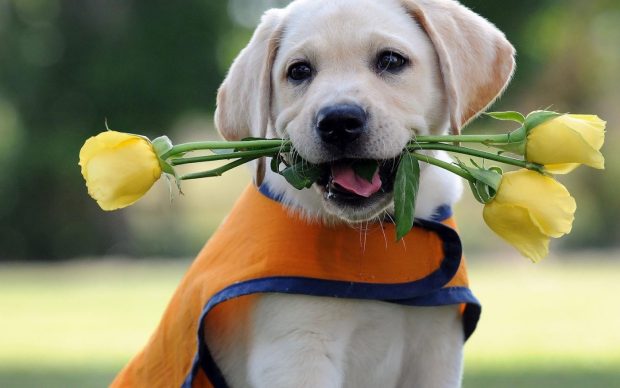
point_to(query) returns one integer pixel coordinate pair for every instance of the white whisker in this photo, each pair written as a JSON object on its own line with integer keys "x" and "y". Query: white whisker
{"x": 383, "y": 230}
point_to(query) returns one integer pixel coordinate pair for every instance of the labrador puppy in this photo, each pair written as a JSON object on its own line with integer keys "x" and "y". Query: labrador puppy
{"x": 347, "y": 80}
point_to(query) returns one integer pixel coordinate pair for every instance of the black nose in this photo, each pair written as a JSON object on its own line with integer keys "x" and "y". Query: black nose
{"x": 341, "y": 124}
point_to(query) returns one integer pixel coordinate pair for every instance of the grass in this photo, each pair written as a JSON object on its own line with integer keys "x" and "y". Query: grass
{"x": 555, "y": 324}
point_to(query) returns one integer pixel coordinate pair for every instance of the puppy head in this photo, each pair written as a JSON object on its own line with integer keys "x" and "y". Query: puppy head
{"x": 350, "y": 80}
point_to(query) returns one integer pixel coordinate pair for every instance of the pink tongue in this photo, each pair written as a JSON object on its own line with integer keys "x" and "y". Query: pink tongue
{"x": 344, "y": 176}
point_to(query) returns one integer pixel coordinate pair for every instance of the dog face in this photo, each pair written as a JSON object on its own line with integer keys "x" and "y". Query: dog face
{"x": 355, "y": 89}
{"x": 355, "y": 80}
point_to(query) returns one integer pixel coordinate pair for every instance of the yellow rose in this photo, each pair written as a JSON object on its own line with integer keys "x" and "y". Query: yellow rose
{"x": 528, "y": 210}
{"x": 119, "y": 168}
{"x": 563, "y": 143}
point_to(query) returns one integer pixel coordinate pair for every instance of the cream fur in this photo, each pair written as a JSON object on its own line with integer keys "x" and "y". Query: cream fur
{"x": 461, "y": 63}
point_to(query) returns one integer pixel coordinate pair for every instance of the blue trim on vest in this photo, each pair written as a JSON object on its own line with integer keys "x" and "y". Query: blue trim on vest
{"x": 448, "y": 296}
{"x": 442, "y": 213}
{"x": 267, "y": 192}
{"x": 427, "y": 291}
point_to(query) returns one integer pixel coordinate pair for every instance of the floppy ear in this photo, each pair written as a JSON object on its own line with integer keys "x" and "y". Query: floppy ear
{"x": 476, "y": 60}
{"x": 244, "y": 98}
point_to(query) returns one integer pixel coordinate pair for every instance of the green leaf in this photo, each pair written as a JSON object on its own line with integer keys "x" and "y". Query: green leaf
{"x": 275, "y": 163}
{"x": 161, "y": 145}
{"x": 406, "y": 187}
{"x": 483, "y": 192}
{"x": 170, "y": 172}
{"x": 488, "y": 177}
{"x": 365, "y": 169}
{"x": 293, "y": 178}
{"x": 487, "y": 181}
{"x": 167, "y": 167}
{"x": 538, "y": 117}
{"x": 474, "y": 190}
{"x": 507, "y": 116}
{"x": 301, "y": 175}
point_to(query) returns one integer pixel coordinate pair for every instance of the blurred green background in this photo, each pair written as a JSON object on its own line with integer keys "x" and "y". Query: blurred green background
{"x": 80, "y": 289}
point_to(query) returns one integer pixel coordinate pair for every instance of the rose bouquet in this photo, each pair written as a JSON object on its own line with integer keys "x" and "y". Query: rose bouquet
{"x": 526, "y": 207}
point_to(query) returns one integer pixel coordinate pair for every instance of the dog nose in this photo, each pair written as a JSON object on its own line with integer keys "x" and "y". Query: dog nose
{"x": 341, "y": 124}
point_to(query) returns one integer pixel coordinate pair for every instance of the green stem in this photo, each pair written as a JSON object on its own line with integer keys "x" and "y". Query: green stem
{"x": 453, "y": 168}
{"x": 254, "y": 149}
{"x": 477, "y": 153}
{"x": 231, "y": 155}
{"x": 484, "y": 139}
{"x": 217, "y": 171}
{"x": 222, "y": 145}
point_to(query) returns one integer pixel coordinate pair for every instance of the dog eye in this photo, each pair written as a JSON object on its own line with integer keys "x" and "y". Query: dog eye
{"x": 299, "y": 71}
{"x": 391, "y": 61}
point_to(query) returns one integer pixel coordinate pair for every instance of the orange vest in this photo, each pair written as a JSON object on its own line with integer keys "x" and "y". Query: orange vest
{"x": 263, "y": 247}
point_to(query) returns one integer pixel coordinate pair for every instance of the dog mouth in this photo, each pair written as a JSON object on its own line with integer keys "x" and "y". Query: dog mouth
{"x": 357, "y": 182}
